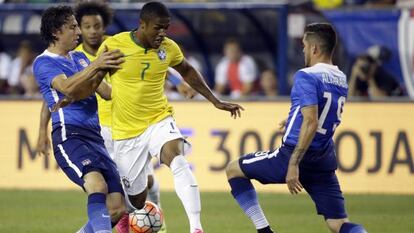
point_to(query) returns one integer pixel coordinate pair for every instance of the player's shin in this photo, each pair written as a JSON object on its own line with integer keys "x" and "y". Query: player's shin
{"x": 187, "y": 190}
{"x": 245, "y": 194}
{"x": 99, "y": 218}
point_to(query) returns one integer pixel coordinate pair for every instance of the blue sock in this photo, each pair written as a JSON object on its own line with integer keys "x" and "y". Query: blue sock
{"x": 87, "y": 228}
{"x": 245, "y": 194}
{"x": 99, "y": 218}
{"x": 349, "y": 227}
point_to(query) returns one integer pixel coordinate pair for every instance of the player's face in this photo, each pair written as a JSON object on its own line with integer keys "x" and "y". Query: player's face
{"x": 155, "y": 30}
{"x": 306, "y": 51}
{"x": 68, "y": 34}
{"x": 92, "y": 29}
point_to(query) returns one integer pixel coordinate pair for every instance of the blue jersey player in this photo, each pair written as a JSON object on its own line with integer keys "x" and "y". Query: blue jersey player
{"x": 78, "y": 146}
{"x": 306, "y": 159}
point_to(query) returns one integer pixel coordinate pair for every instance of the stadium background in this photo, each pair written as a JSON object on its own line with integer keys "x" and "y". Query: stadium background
{"x": 375, "y": 142}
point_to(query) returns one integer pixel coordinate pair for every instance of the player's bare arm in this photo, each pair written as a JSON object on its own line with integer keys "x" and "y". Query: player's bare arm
{"x": 84, "y": 83}
{"x": 307, "y": 132}
{"x": 104, "y": 90}
{"x": 194, "y": 79}
{"x": 43, "y": 141}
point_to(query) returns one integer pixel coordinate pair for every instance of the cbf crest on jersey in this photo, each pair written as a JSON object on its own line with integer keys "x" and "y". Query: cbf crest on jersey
{"x": 162, "y": 54}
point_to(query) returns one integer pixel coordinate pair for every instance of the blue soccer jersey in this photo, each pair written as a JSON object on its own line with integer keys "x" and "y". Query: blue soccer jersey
{"x": 82, "y": 113}
{"x": 322, "y": 85}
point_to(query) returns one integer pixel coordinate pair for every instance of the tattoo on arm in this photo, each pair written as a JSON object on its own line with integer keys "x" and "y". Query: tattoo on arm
{"x": 297, "y": 156}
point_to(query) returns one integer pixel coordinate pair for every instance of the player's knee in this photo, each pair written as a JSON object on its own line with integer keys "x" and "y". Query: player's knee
{"x": 96, "y": 187}
{"x": 116, "y": 205}
{"x": 334, "y": 225}
{"x": 170, "y": 150}
{"x": 95, "y": 184}
{"x": 233, "y": 170}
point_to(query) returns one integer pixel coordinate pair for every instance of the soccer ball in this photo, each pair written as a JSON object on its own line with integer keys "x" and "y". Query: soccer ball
{"x": 146, "y": 220}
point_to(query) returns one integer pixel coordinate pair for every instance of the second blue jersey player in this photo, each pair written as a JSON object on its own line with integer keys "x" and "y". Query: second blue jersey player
{"x": 79, "y": 150}
{"x": 306, "y": 159}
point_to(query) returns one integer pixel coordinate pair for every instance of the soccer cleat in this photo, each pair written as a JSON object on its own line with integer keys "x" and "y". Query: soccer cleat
{"x": 123, "y": 225}
{"x": 198, "y": 231}
{"x": 265, "y": 230}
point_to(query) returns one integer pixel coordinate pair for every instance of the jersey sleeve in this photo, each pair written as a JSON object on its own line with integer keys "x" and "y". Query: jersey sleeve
{"x": 305, "y": 88}
{"x": 45, "y": 71}
{"x": 176, "y": 55}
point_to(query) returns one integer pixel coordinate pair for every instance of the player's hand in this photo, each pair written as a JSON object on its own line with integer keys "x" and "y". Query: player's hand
{"x": 110, "y": 60}
{"x": 61, "y": 103}
{"x": 292, "y": 179}
{"x": 43, "y": 144}
{"x": 234, "y": 109}
{"x": 282, "y": 125}
{"x": 185, "y": 90}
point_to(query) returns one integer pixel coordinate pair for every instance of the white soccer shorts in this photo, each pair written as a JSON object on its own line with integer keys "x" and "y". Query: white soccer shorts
{"x": 133, "y": 156}
{"x": 106, "y": 133}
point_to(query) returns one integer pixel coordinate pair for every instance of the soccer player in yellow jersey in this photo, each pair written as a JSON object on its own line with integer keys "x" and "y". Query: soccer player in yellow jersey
{"x": 93, "y": 18}
{"x": 142, "y": 122}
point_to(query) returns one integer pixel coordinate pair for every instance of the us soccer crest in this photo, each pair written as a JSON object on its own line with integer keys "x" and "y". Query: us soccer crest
{"x": 83, "y": 62}
{"x": 162, "y": 54}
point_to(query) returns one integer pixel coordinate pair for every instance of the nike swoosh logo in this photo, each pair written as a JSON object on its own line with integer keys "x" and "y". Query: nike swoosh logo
{"x": 171, "y": 131}
{"x": 105, "y": 216}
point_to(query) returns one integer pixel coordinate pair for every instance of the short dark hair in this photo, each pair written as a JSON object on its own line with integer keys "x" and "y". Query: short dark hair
{"x": 53, "y": 18}
{"x": 324, "y": 34}
{"x": 153, "y": 9}
{"x": 94, "y": 8}
{"x": 232, "y": 40}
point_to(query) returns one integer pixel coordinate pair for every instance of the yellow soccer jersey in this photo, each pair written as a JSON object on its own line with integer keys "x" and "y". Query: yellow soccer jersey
{"x": 138, "y": 98}
{"x": 104, "y": 106}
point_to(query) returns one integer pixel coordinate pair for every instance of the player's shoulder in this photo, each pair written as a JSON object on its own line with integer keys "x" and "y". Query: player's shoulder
{"x": 46, "y": 56}
{"x": 168, "y": 42}
{"x": 79, "y": 47}
{"x": 119, "y": 37}
{"x": 322, "y": 68}
{"x": 76, "y": 53}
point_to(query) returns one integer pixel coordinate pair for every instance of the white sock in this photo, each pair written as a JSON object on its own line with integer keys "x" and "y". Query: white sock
{"x": 187, "y": 190}
{"x": 154, "y": 193}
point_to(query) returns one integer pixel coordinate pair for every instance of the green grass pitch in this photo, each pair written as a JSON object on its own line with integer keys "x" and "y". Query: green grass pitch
{"x": 29, "y": 211}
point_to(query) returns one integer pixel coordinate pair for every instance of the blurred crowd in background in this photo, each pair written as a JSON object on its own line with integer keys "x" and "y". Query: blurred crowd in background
{"x": 237, "y": 66}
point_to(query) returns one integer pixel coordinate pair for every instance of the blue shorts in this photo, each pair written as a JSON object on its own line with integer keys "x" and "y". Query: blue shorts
{"x": 83, "y": 152}
{"x": 270, "y": 167}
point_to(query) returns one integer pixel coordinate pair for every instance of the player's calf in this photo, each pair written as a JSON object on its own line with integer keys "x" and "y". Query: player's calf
{"x": 138, "y": 201}
{"x": 115, "y": 203}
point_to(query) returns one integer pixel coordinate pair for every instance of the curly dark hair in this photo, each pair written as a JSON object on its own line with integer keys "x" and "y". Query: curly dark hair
{"x": 53, "y": 18}
{"x": 94, "y": 8}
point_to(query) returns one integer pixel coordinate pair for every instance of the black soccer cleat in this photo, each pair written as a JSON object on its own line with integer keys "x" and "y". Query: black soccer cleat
{"x": 265, "y": 230}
